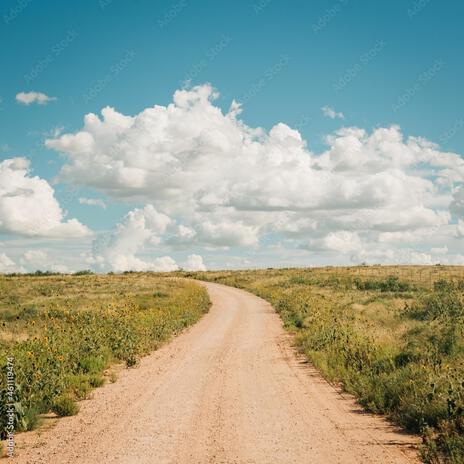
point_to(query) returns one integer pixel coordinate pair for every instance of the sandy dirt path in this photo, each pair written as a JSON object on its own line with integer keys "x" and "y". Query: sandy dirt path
{"x": 228, "y": 390}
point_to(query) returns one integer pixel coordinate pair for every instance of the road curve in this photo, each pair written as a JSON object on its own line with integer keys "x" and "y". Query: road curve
{"x": 229, "y": 390}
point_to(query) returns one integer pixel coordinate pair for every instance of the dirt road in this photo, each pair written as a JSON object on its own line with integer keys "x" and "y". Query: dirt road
{"x": 229, "y": 390}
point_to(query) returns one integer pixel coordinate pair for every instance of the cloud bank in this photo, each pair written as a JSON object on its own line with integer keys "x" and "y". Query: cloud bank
{"x": 211, "y": 182}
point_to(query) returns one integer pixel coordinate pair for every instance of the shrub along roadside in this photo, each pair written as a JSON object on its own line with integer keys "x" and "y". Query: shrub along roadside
{"x": 390, "y": 284}
{"x": 70, "y": 350}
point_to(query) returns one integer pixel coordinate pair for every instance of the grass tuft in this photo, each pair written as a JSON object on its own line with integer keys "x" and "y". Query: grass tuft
{"x": 65, "y": 405}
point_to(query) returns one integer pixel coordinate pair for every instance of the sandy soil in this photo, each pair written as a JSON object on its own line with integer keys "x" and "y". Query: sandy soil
{"x": 228, "y": 390}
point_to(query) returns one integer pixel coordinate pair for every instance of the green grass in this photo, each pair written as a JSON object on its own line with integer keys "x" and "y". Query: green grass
{"x": 393, "y": 337}
{"x": 65, "y": 405}
{"x": 65, "y": 331}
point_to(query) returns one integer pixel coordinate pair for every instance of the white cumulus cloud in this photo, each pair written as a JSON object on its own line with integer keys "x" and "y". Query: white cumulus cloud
{"x": 36, "y": 257}
{"x": 329, "y": 112}
{"x": 92, "y": 202}
{"x": 119, "y": 252}
{"x": 194, "y": 263}
{"x": 7, "y": 265}
{"x": 28, "y": 205}
{"x": 28, "y": 98}
{"x": 232, "y": 185}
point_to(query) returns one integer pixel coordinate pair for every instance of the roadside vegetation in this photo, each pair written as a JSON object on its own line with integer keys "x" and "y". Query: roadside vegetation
{"x": 63, "y": 332}
{"x": 392, "y": 336}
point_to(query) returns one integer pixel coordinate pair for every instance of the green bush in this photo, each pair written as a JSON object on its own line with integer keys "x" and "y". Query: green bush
{"x": 446, "y": 302}
{"x": 30, "y": 419}
{"x": 391, "y": 284}
{"x": 160, "y": 295}
{"x": 84, "y": 272}
{"x": 78, "y": 385}
{"x": 65, "y": 405}
{"x": 444, "y": 444}
{"x": 96, "y": 380}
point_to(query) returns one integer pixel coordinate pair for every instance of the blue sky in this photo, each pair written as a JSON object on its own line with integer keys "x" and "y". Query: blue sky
{"x": 377, "y": 63}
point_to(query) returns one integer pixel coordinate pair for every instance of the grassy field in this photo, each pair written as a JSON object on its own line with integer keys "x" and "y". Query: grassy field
{"x": 61, "y": 333}
{"x": 392, "y": 336}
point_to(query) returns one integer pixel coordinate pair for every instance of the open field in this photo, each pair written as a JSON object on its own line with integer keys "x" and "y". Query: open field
{"x": 230, "y": 389}
{"x": 63, "y": 332}
{"x": 392, "y": 336}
